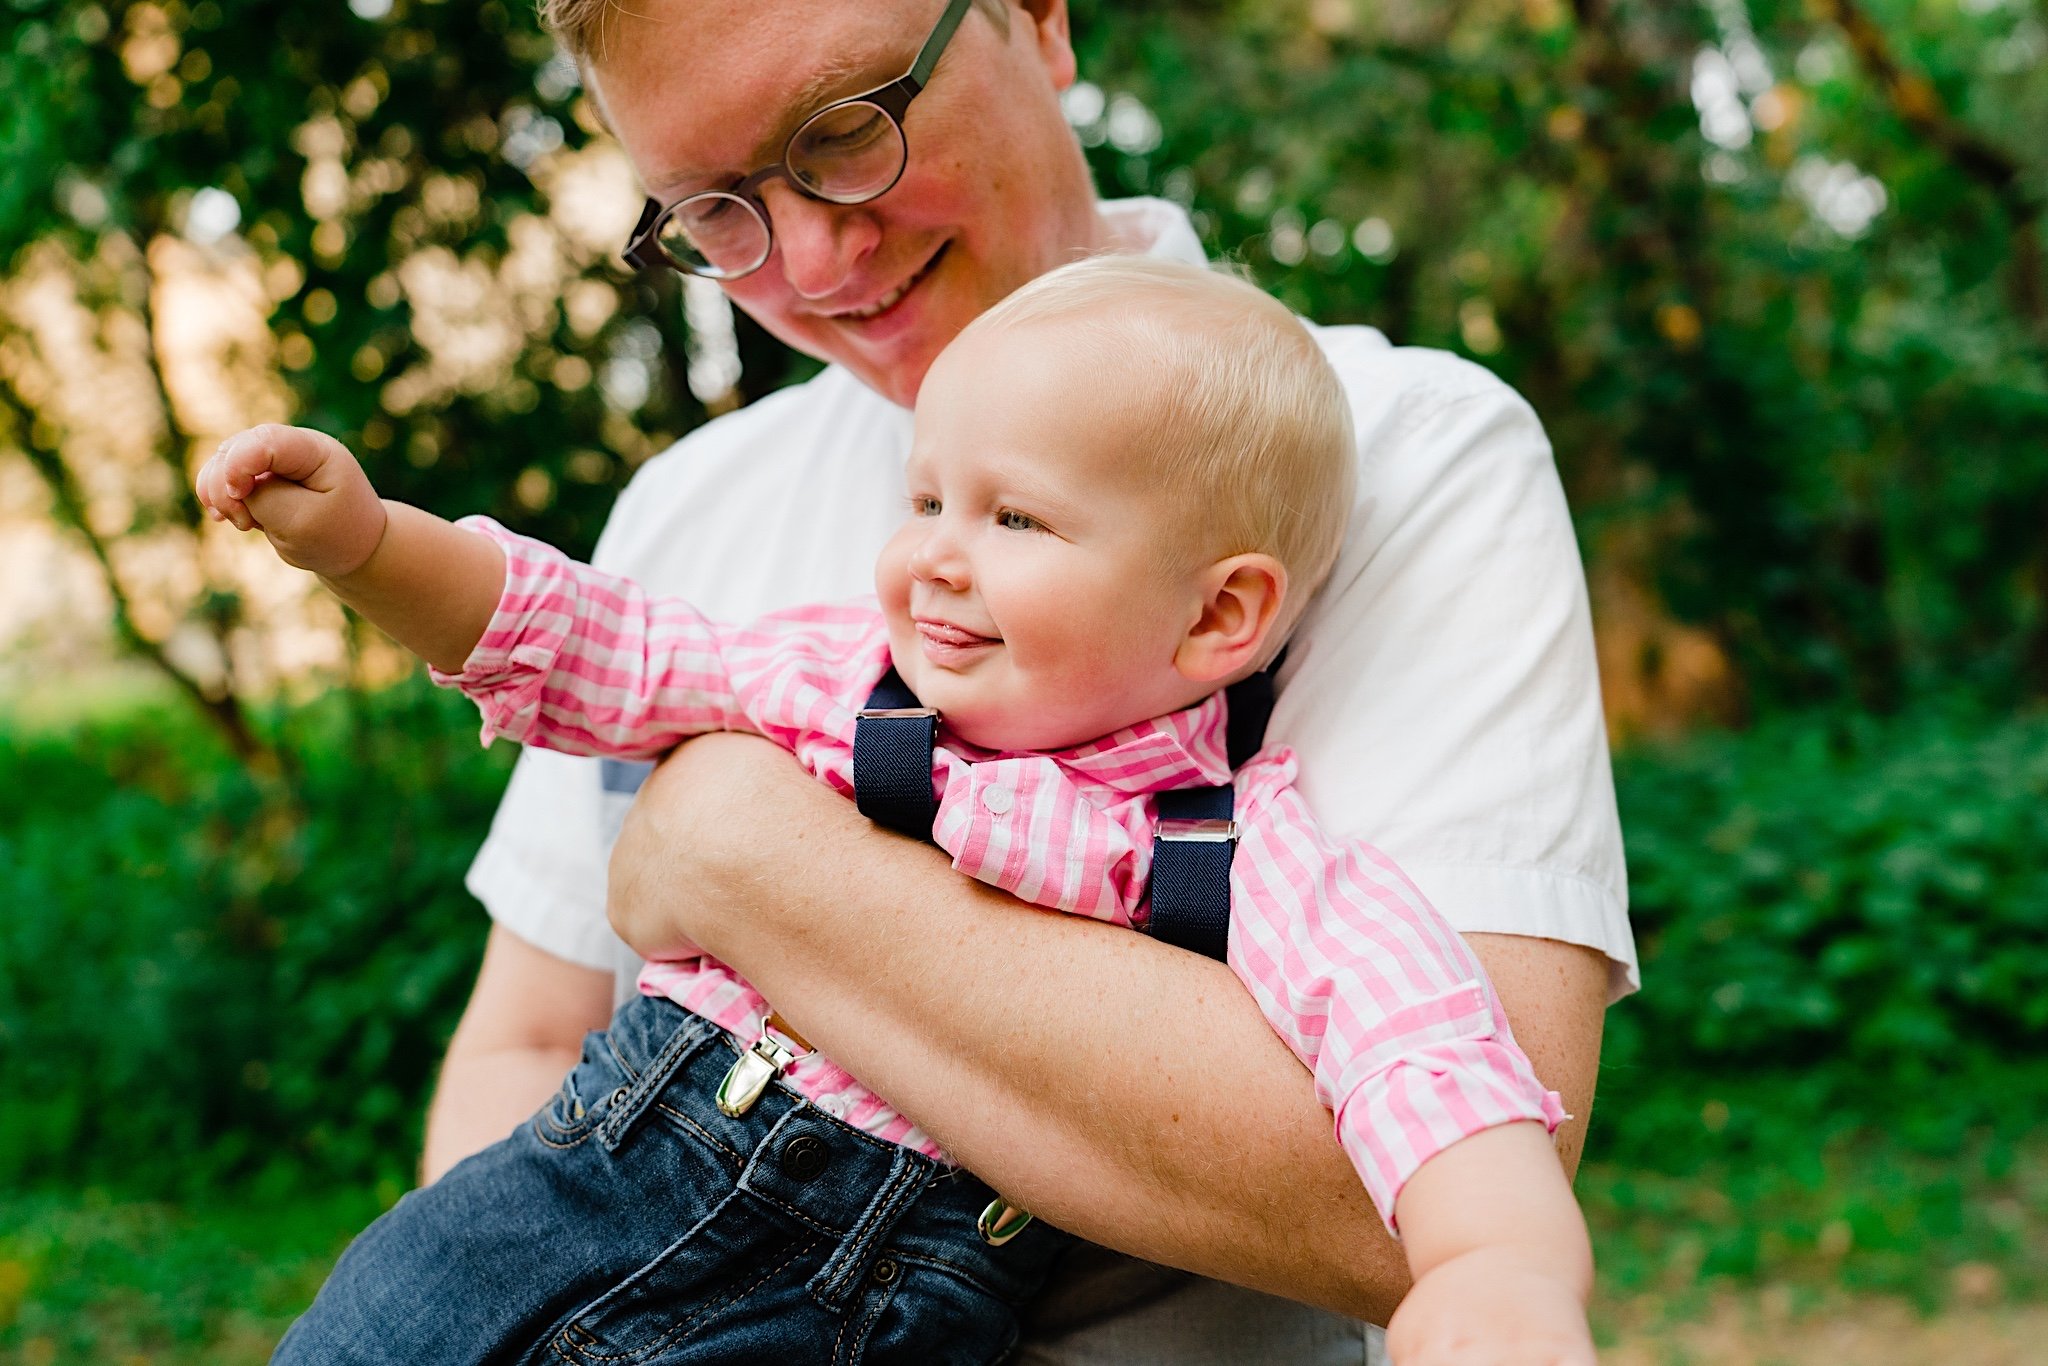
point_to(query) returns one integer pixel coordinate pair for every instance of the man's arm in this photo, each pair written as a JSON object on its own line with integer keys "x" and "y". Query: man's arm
{"x": 1133, "y": 1094}
{"x": 520, "y": 1034}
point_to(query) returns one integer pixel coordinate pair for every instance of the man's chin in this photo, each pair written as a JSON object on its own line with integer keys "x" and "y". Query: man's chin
{"x": 897, "y": 383}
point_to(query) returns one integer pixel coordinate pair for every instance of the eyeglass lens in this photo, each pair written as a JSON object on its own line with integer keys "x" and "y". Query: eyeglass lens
{"x": 845, "y": 154}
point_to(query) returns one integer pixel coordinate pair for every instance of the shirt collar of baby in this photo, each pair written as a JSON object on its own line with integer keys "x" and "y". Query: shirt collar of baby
{"x": 1185, "y": 749}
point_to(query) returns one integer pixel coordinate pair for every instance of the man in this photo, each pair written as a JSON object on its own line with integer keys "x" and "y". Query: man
{"x": 1441, "y": 694}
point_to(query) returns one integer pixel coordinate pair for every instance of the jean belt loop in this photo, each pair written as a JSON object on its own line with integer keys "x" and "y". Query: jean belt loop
{"x": 847, "y": 1268}
{"x": 627, "y": 1108}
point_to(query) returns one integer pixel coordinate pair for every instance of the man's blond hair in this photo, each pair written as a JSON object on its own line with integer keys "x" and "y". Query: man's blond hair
{"x": 1237, "y": 413}
{"x": 580, "y": 26}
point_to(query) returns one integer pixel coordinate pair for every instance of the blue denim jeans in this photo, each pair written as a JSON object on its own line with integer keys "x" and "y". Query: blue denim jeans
{"x": 631, "y": 1221}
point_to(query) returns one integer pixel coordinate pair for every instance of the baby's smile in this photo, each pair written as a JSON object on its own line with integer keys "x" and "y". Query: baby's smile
{"x": 951, "y": 646}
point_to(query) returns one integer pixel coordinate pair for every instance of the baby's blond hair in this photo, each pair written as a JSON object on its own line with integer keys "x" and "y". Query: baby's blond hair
{"x": 1240, "y": 414}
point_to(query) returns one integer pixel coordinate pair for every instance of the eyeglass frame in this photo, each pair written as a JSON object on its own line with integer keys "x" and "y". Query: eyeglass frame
{"x": 644, "y": 250}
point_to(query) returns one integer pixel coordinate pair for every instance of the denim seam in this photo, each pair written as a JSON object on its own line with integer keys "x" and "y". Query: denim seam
{"x": 791, "y": 1210}
{"x": 867, "y": 1323}
{"x": 965, "y": 1273}
{"x": 738, "y": 1158}
{"x": 561, "y": 1147}
{"x": 681, "y": 1327}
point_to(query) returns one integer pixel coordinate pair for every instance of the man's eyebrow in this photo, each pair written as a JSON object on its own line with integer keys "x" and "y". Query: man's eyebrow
{"x": 835, "y": 80}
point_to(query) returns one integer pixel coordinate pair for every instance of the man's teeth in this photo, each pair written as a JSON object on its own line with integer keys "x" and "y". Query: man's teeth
{"x": 886, "y": 302}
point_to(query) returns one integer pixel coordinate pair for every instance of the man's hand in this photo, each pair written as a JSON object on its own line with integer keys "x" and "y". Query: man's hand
{"x": 302, "y": 489}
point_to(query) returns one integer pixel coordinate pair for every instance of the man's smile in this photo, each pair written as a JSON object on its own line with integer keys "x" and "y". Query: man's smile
{"x": 871, "y": 311}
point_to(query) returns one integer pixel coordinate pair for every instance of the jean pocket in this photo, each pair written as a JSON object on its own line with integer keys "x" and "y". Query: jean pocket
{"x": 731, "y": 1288}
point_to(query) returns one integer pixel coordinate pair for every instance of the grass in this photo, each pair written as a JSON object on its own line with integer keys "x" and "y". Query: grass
{"x": 1858, "y": 1231}
{"x": 88, "y": 1278}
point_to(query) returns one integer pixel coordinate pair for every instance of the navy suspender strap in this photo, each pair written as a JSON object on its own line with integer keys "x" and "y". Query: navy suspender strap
{"x": 1196, "y": 836}
{"x": 1191, "y": 850}
{"x": 892, "y": 760}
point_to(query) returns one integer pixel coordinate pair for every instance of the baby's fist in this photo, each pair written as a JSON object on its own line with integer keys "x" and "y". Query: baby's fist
{"x": 302, "y": 489}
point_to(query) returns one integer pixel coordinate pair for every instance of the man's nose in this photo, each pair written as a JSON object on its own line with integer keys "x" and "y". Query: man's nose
{"x": 820, "y": 244}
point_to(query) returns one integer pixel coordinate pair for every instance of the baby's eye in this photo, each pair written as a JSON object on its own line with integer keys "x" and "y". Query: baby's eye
{"x": 923, "y": 505}
{"x": 1018, "y": 521}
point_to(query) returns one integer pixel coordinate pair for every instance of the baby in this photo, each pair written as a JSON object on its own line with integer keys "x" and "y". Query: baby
{"x": 1127, "y": 479}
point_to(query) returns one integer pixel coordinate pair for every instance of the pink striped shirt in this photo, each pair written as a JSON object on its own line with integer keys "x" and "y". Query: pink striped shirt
{"x": 1375, "y": 992}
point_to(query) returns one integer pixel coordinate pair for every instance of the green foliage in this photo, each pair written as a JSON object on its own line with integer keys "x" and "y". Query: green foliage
{"x": 201, "y": 978}
{"x": 1839, "y": 920}
{"x": 1863, "y": 1214}
{"x": 1871, "y": 891}
{"x": 351, "y": 146}
{"x": 1820, "y": 437}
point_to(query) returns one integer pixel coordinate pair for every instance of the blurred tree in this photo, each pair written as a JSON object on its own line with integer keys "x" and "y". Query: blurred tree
{"x": 1770, "y": 270}
{"x": 383, "y": 220}
{"x": 1764, "y": 267}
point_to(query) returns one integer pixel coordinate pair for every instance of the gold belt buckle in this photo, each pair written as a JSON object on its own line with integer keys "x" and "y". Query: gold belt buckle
{"x": 762, "y": 1062}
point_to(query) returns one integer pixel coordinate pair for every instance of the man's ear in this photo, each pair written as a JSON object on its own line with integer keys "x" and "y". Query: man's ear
{"x": 1051, "y": 36}
{"x": 1241, "y": 604}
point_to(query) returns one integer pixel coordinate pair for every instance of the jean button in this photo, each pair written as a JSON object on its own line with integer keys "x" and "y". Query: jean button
{"x": 804, "y": 1158}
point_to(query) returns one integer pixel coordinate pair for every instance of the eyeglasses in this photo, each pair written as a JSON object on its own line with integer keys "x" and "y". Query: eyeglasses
{"x": 847, "y": 153}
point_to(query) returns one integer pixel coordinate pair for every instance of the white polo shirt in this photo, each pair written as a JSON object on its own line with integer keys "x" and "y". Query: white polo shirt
{"x": 1441, "y": 691}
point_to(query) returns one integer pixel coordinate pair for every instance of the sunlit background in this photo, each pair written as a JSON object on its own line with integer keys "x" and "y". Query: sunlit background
{"x": 1772, "y": 271}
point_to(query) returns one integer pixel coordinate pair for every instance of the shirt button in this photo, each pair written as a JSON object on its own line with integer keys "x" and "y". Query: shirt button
{"x": 998, "y": 800}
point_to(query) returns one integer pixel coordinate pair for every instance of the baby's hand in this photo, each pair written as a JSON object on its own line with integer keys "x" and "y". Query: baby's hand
{"x": 1490, "y": 1308}
{"x": 302, "y": 489}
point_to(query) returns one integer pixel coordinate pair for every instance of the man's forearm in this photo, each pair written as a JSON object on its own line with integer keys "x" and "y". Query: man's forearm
{"x": 1129, "y": 1092}
{"x": 520, "y": 1034}
{"x": 483, "y": 1096}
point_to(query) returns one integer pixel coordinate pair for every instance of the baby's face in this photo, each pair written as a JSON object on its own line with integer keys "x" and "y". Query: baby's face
{"x": 1033, "y": 595}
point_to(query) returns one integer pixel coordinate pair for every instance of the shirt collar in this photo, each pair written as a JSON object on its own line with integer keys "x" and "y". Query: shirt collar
{"x": 1158, "y": 228}
{"x": 1185, "y": 749}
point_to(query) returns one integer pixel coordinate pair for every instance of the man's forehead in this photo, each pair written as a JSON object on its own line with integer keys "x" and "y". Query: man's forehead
{"x": 728, "y": 81}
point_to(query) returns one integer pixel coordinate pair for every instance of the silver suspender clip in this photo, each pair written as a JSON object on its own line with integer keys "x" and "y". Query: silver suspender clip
{"x": 763, "y": 1061}
{"x": 1208, "y": 831}
{"x": 896, "y": 713}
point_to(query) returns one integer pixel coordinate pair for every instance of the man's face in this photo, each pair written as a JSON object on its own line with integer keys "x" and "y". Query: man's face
{"x": 995, "y": 191}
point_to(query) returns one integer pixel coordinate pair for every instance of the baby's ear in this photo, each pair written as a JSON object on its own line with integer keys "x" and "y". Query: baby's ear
{"x": 1240, "y": 608}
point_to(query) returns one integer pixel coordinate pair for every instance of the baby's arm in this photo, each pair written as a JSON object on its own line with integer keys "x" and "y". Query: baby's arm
{"x": 1439, "y": 1111}
{"x": 1498, "y": 1251}
{"x": 553, "y": 652}
{"x": 432, "y": 585}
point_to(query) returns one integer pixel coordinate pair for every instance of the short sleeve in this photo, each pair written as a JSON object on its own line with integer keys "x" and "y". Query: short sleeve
{"x": 1442, "y": 690}
{"x": 541, "y": 870}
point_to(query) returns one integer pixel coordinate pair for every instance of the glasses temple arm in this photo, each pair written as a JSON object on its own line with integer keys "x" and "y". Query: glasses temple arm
{"x": 928, "y": 56}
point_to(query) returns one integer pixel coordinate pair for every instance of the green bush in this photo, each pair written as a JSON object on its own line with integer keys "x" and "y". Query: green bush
{"x": 1841, "y": 922}
{"x": 199, "y": 979}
